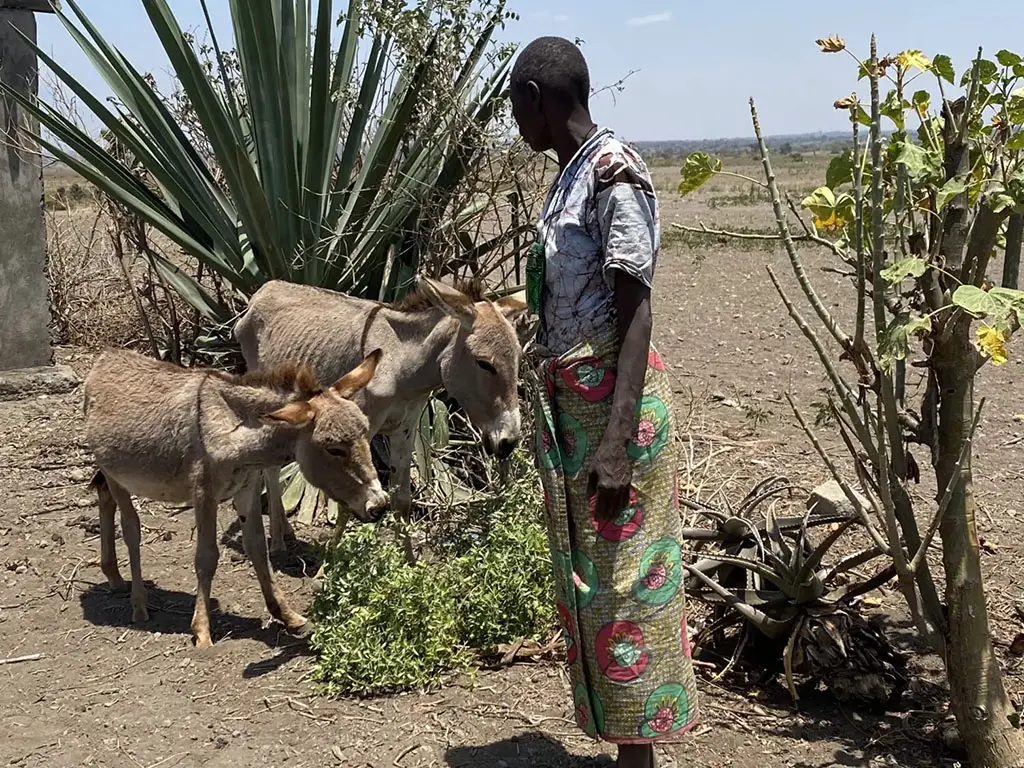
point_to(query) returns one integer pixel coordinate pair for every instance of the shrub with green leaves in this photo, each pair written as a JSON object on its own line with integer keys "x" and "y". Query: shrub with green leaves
{"x": 383, "y": 625}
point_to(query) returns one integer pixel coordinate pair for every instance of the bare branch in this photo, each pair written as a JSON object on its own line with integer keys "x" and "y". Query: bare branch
{"x": 787, "y": 240}
{"x": 842, "y": 388}
{"x": 876, "y": 537}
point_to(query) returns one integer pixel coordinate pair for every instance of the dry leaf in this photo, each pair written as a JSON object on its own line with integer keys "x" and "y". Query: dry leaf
{"x": 871, "y": 602}
{"x": 831, "y": 44}
{"x": 991, "y": 547}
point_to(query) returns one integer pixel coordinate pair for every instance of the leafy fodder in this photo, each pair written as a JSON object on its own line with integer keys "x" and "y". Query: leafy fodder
{"x": 383, "y": 625}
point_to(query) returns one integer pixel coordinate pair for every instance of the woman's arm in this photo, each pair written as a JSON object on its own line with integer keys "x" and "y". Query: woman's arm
{"x": 611, "y": 469}
{"x": 627, "y": 216}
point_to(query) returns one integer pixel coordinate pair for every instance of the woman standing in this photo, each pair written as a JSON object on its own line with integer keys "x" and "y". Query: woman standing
{"x": 605, "y": 438}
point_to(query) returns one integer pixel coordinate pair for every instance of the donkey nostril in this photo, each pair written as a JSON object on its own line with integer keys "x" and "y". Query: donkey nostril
{"x": 505, "y": 448}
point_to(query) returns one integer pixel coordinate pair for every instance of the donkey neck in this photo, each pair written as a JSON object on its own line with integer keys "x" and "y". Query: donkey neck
{"x": 248, "y": 438}
{"x": 425, "y": 338}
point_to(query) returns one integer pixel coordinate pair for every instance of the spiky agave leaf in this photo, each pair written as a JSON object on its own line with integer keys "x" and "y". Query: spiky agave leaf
{"x": 290, "y": 211}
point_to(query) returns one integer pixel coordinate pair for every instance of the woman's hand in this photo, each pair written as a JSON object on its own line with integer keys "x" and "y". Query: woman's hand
{"x": 611, "y": 475}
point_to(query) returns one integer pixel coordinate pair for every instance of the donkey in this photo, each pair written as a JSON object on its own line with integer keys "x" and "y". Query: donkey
{"x": 177, "y": 435}
{"x": 439, "y": 336}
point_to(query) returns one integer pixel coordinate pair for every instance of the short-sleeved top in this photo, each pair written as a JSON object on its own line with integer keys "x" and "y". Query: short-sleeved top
{"x": 601, "y": 215}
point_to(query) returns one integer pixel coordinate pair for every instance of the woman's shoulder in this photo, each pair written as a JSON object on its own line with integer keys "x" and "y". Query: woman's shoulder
{"x": 617, "y": 162}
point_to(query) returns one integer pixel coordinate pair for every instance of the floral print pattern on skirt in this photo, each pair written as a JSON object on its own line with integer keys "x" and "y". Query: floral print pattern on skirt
{"x": 618, "y": 583}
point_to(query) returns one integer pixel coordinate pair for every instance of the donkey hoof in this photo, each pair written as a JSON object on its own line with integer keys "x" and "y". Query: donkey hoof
{"x": 203, "y": 642}
{"x": 140, "y": 614}
{"x": 302, "y": 631}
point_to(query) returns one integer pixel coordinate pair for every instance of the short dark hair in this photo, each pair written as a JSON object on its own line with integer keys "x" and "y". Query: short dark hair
{"x": 557, "y": 66}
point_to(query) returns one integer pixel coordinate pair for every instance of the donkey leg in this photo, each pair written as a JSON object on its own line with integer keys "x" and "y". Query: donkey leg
{"x": 403, "y": 444}
{"x": 280, "y": 528}
{"x": 131, "y": 531}
{"x": 207, "y": 555}
{"x": 108, "y": 550}
{"x": 402, "y": 447}
{"x": 255, "y": 540}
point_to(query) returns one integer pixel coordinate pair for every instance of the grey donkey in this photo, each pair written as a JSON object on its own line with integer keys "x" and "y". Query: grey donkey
{"x": 439, "y": 336}
{"x": 180, "y": 435}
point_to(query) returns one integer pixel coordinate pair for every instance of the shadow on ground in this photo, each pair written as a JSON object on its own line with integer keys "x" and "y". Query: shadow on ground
{"x": 170, "y": 613}
{"x": 531, "y": 750}
{"x": 906, "y": 739}
{"x": 302, "y": 560}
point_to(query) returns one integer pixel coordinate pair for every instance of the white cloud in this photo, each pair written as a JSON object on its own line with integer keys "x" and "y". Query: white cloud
{"x": 654, "y": 18}
{"x": 560, "y": 18}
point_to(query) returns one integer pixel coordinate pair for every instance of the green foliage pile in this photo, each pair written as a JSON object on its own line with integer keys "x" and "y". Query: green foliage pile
{"x": 384, "y": 626}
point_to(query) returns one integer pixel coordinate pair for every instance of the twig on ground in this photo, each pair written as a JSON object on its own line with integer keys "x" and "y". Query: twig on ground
{"x": 19, "y": 659}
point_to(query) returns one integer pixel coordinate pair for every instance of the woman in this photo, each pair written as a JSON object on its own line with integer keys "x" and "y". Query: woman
{"x": 605, "y": 440}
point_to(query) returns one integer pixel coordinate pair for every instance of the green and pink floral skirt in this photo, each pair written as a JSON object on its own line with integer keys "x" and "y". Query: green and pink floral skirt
{"x": 619, "y": 584}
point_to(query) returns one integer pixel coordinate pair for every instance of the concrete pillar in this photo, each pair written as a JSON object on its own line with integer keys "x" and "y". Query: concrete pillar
{"x": 24, "y": 331}
{"x": 25, "y": 351}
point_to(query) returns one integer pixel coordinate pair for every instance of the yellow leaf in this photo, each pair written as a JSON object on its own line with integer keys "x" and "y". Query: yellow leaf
{"x": 913, "y": 59}
{"x": 871, "y": 602}
{"x": 831, "y": 224}
{"x": 993, "y": 344}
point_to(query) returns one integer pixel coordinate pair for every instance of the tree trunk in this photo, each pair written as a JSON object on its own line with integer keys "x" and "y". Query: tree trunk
{"x": 982, "y": 708}
{"x": 1014, "y": 240}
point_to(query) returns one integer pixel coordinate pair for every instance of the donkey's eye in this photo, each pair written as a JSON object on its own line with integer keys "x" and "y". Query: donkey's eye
{"x": 340, "y": 451}
{"x": 487, "y": 366}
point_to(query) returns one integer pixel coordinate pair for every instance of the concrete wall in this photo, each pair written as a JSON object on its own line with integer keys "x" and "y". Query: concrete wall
{"x": 24, "y": 309}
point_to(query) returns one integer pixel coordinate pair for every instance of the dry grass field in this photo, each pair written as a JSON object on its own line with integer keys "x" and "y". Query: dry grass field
{"x": 106, "y": 693}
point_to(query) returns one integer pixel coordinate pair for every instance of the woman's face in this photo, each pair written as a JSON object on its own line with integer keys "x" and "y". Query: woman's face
{"x": 533, "y": 124}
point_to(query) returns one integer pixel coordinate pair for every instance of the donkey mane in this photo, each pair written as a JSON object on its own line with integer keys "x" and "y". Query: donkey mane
{"x": 288, "y": 377}
{"x": 417, "y": 299}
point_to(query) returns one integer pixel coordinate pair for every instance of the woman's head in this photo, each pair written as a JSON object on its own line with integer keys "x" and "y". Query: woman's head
{"x": 550, "y": 83}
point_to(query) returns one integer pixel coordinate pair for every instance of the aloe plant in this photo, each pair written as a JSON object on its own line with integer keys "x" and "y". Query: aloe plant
{"x": 309, "y": 180}
{"x": 767, "y": 574}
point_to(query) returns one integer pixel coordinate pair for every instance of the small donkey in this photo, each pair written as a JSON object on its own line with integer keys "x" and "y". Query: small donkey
{"x": 176, "y": 435}
{"x": 439, "y": 336}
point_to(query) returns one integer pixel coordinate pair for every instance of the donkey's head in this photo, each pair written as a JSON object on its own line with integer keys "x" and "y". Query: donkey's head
{"x": 333, "y": 449}
{"x": 481, "y": 368}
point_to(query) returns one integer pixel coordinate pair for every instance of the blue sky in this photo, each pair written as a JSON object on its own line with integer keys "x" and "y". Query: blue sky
{"x": 696, "y": 63}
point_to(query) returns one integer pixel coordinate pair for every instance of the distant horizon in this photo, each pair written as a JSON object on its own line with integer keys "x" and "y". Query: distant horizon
{"x": 688, "y": 72}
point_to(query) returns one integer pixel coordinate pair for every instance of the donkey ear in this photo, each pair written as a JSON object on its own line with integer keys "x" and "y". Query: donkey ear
{"x": 517, "y": 311}
{"x": 358, "y": 377}
{"x": 296, "y": 414}
{"x": 451, "y": 301}
{"x": 513, "y": 307}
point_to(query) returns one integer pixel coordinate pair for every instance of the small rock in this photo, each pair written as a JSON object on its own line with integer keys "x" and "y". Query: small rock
{"x": 21, "y": 569}
{"x": 339, "y": 755}
{"x": 86, "y": 501}
{"x": 1017, "y": 646}
{"x": 80, "y": 475}
{"x": 828, "y": 499}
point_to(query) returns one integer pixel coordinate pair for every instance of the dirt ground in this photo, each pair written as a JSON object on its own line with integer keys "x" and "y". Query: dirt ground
{"x": 103, "y": 692}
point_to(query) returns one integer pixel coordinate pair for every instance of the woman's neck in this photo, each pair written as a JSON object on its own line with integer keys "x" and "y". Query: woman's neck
{"x": 578, "y": 128}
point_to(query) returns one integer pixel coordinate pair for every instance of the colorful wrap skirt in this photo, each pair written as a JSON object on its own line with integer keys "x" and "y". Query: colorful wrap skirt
{"x": 618, "y": 583}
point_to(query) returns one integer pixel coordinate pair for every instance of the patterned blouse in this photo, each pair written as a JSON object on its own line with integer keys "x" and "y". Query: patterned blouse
{"x": 601, "y": 215}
